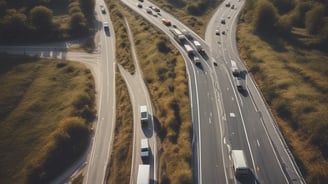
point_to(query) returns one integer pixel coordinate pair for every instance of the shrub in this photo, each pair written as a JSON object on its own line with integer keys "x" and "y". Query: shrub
{"x": 162, "y": 47}
{"x": 41, "y": 19}
{"x": 70, "y": 139}
{"x": 265, "y": 17}
{"x": 314, "y": 19}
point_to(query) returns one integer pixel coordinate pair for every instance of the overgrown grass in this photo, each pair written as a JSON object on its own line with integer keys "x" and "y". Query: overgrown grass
{"x": 44, "y": 109}
{"x": 121, "y": 156}
{"x": 294, "y": 83}
{"x": 123, "y": 51}
{"x": 195, "y": 14}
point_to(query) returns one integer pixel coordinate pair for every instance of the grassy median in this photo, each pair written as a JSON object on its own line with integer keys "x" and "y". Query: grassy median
{"x": 121, "y": 156}
{"x": 165, "y": 75}
{"x": 45, "y": 107}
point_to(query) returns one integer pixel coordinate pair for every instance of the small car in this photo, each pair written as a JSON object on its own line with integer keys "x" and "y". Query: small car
{"x": 139, "y": 5}
{"x": 148, "y": 10}
{"x": 223, "y": 21}
{"x": 217, "y": 32}
{"x": 102, "y": 9}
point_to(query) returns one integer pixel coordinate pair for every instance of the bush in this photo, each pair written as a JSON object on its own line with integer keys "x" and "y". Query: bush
{"x": 78, "y": 24}
{"x": 162, "y": 47}
{"x": 41, "y": 19}
{"x": 67, "y": 143}
{"x": 314, "y": 19}
{"x": 265, "y": 17}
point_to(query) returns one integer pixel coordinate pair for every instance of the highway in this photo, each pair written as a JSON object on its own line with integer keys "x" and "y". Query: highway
{"x": 224, "y": 118}
{"x": 104, "y": 127}
{"x": 204, "y": 104}
{"x": 250, "y": 126}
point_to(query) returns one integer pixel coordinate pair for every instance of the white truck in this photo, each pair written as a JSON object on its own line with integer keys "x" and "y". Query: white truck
{"x": 189, "y": 50}
{"x": 198, "y": 46}
{"x": 234, "y": 68}
{"x": 143, "y": 114}
{"x": 239, "y": 163}
{"x": 144, "y": 151}
{"x": 143, "y": 174}
{"x": 178, "y": 36}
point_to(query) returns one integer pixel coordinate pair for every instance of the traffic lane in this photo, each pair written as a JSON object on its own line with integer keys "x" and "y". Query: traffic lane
{"x": 269, "y": 161}
{"x": 286, "y": 158}
{"x": 102, "y": 139}
{"x": 211, "y": 161}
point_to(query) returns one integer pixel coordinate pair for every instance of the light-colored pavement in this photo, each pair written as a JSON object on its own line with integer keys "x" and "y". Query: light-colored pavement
{"x": 104, "y": 128}
{"x": 140, "y": 96}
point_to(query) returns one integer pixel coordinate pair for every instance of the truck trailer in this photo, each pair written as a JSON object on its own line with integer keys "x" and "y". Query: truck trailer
{"x": 239, "y": 163}
{"x": 143, "y": 174}
{"x": 178, "y": 36}
{"x": 234, "y": 68}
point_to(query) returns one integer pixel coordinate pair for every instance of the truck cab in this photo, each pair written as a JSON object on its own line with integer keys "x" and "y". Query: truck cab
{"x": 239, "y": 163}
{"x": 144, "y": 149}
{"x": 144, "y": 114}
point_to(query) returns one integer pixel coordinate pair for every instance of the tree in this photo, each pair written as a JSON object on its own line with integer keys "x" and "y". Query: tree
{"x": 284, "y": 5}
{"x": 3, "y": 7}
{"x": 87, "y": 7}
{"x": 264, "y": 17}
{"x": 314, "y": 19}
{"x": 14, "y": 25}
{"x": 78, "y": 23}
{"x": 41, "y": 19}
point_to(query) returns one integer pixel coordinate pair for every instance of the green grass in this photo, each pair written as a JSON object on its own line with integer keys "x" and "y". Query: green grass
{"x": 39, "y": 106}
{"x": 121, "y": 158}
{"x": 294, "y": 83}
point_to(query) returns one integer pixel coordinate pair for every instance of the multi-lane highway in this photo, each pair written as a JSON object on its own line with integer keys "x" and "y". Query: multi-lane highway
{"x": 225, "y": 118}
{"x": 248, "y": 122}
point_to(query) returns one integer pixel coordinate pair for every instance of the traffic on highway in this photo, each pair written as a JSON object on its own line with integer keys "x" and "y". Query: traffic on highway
{"x": 228, "y": 111}
{"x": 235, "y": 137}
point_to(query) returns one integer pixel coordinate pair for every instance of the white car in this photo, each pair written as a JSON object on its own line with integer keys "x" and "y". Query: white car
{"x": 148, "y": 10}
{"x": 102, "y": 9}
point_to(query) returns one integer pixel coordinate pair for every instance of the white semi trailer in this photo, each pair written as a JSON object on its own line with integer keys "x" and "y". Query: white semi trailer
{"x": 143, "y": 174}
{"x": 239, "y": 163}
